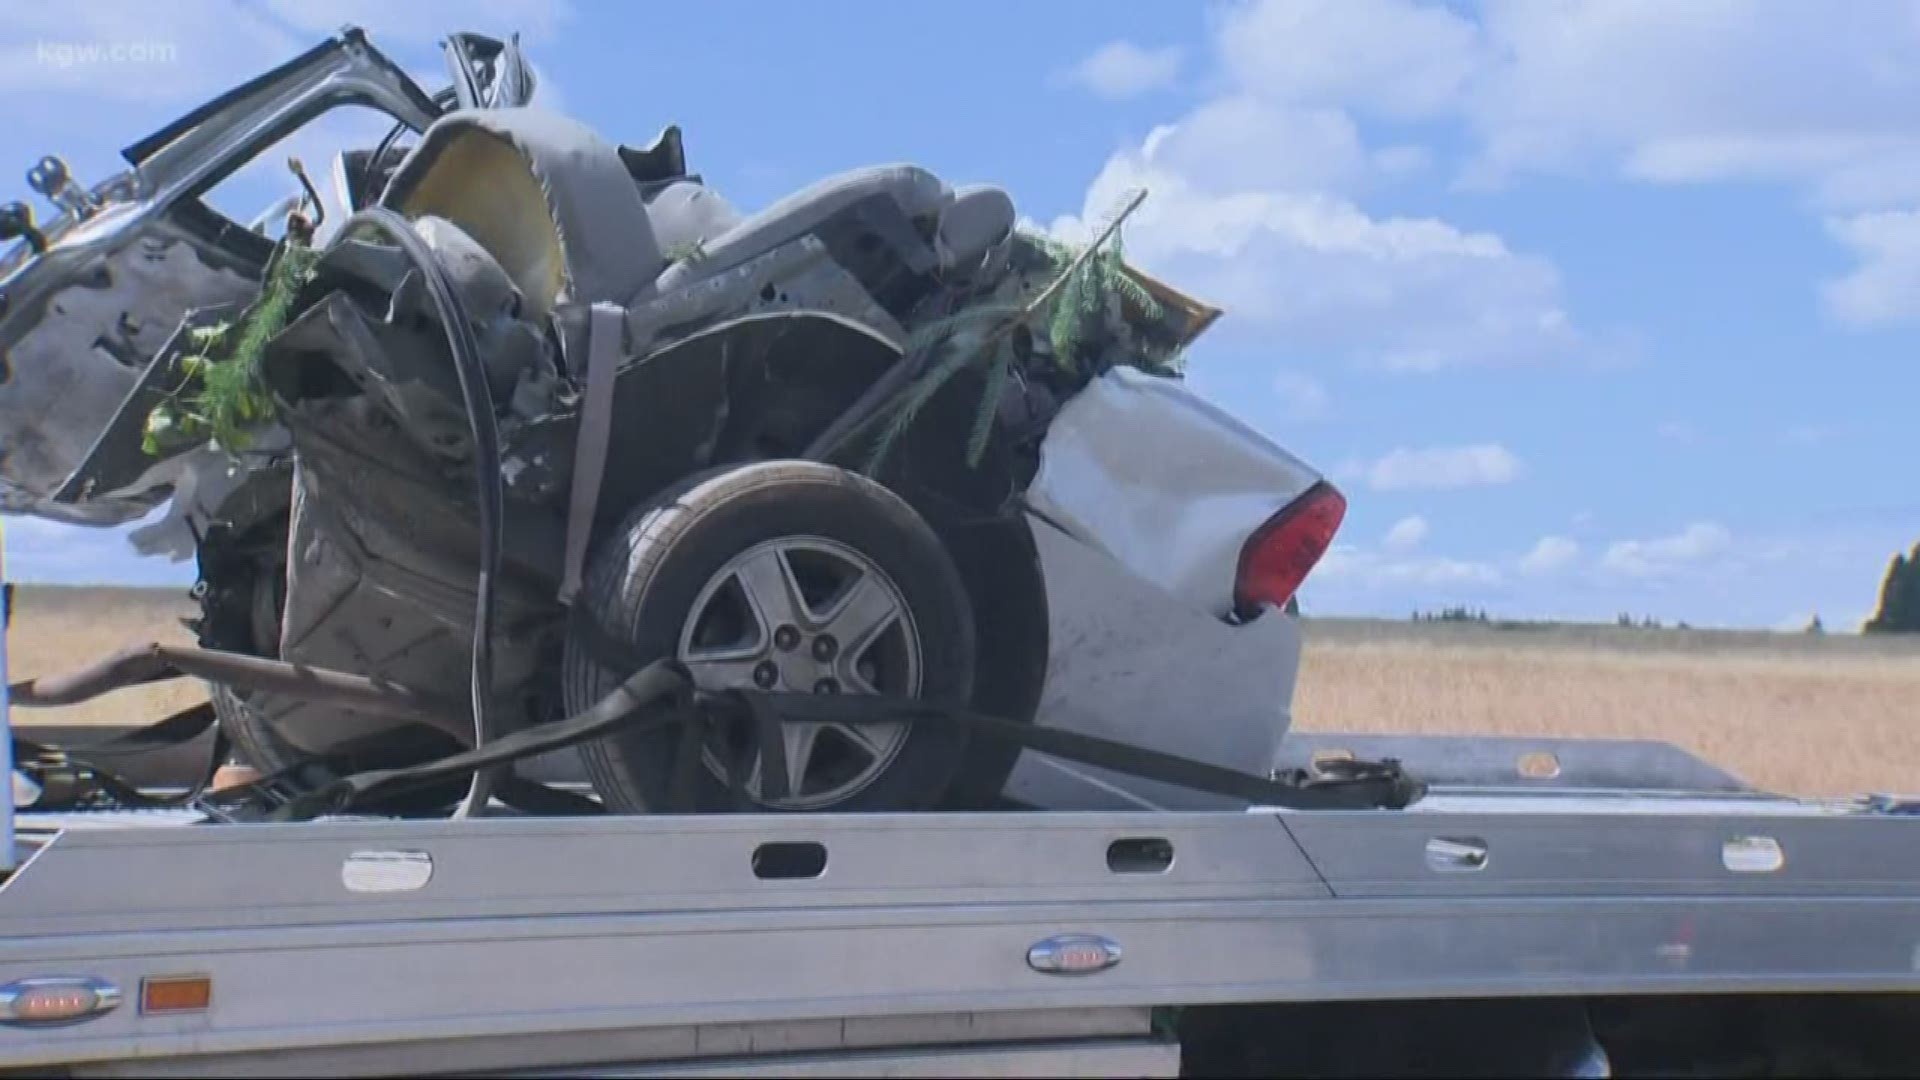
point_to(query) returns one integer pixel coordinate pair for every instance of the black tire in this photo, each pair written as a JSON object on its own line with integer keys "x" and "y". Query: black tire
{"x": 645, "y": 578}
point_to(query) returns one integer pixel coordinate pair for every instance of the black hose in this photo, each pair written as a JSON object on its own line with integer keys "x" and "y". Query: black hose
{"x": 486, "y": 468}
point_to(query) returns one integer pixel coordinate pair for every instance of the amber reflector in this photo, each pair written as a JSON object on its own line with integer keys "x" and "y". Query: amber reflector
{"x": 176, "y": 993}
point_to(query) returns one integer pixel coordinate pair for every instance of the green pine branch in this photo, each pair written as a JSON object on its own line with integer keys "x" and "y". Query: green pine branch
{"x": 228, "y": 398}
{"x": 1072, "y": 308}
{"x": 960, "y": 343}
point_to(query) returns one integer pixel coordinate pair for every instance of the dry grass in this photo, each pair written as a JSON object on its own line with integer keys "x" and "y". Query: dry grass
{"x": 57, "y": 629}
{"x": 1832, "y": 715}
{"x": 1812, "y": 716}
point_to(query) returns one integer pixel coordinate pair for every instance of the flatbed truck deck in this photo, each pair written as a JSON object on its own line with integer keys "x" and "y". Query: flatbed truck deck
{"x": 1015, "y": 943}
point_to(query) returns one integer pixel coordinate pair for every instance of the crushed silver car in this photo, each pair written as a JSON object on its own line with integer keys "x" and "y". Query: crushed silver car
{"x": 539, "y": 405}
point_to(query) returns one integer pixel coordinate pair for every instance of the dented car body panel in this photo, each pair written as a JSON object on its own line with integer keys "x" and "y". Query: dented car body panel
{"x": 1140, "y": 539}
{"x": 1096, "y": 513}
{"x": 1174, "y": 507}
{"x": 1132, "y": 663}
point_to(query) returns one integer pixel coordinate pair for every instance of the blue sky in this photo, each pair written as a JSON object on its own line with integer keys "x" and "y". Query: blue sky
{"x": 1590, "y": 305}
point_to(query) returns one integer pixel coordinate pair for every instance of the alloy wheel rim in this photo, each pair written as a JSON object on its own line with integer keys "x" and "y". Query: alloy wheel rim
{"x": 807, "y": 614}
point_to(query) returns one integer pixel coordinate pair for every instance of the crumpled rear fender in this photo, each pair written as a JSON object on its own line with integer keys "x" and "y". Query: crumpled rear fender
{"x": 1165, "y": 482}
{"x": 1145, "y": 496}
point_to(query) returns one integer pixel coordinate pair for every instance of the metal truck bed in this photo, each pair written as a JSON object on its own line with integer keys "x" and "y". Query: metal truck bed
{"x": 930, "y": 944}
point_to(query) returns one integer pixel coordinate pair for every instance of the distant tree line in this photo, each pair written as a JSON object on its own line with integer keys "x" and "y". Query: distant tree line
{"x": 1899, "y": 596}
{"x": 1452, "y": 614}
{"x": 1645, "y": 622}
{"x": 1464, "y": 614}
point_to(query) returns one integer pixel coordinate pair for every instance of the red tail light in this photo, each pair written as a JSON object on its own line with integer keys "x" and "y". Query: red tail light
{"x": 1280, "y": 553}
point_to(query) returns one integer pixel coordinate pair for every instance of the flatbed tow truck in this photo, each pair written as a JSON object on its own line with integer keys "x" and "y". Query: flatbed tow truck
{"x": 1546, "y": 908}
{"x": 1363, "y": 906}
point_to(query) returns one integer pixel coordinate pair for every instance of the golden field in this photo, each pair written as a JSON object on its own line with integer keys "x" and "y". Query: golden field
{"x": 57, "y": 629}
{"x": 1808, "y": 715}
{"x": 1831, "y": 715}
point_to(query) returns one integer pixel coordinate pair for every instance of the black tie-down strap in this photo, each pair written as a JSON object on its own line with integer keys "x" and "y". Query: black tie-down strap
{"x": 1355, "y": 785}
{"x": 657, "y": 694}
{"x": 1358, "y": 785}
{"x": 661, "y": 694}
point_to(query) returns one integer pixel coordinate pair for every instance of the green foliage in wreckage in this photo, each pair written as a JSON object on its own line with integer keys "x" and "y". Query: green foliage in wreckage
{"x": 1082, "y": 311}
{"x": 221, "y": 396}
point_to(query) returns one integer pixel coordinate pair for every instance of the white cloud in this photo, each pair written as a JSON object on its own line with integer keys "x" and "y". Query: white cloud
{"x": 1882, "y": 289}
{"x": 1407, "y": 294}
{"x": 1692, "y": 92}
{"x": 1373, "y": 571}
{"x": 546, "y": 91}
{"x": 1696, "y": 544}
{"x": 1550, "y": 555}
{"x": 1253, "y": 202}
{"x": 121, "y": 68}
{"x": 1658, "y": 91}
{"x": 1302, "y": 397}
{"x": 1401, "y": 160}
{"x": 1442, "y": 468}
{"x": 134, "y": 52}
{"x": 1406, "y": 534}
{"x": 1703, "y": 578}
{"x": 1241, "y": 143}
{"x": 424, "y": 22}
{"x": 1121, "y": 69}
{"x": 1396, "y": 59}
{"x": 1821, "y": 98}
{"x": 163, "y": 55}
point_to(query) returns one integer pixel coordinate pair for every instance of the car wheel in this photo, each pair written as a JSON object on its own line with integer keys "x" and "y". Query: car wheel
{"x": 784, "y": 576}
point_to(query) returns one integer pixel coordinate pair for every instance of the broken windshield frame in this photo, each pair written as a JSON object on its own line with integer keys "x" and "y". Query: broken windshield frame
{"x": 175, "y": 165}
{"x": 160, "y": 197}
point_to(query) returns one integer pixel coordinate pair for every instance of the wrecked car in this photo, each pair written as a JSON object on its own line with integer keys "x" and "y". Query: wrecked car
{"x": 531, "y": 404}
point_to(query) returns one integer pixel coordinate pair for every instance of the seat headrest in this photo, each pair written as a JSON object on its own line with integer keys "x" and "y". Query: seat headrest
{"x": 979, "y": 219}
{"x": 543, "y": 194}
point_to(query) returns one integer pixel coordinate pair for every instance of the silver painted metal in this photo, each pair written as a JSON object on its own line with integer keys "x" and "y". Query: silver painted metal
{"x": 535, "y": 929}
{"x": 1139, "y": 542}
{"x": 1124, "y": 658}
{"x": 1507, "y": 764}
{"x": 1145, "y": 1057}
{"x": 808, "y": 613}
{"x": 1164, "y": 481}
{"x": 1036, "y": 1042}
